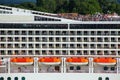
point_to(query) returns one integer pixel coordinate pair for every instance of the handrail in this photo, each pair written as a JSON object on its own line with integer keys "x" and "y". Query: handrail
{"x": 88, "y": 56}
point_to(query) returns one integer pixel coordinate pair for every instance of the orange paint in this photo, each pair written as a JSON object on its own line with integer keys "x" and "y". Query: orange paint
{"x": 77, "y": 59}
{"x": 24, "y": 59}
{"x": 49, "y": 59}
{"x": 105, "y": 60}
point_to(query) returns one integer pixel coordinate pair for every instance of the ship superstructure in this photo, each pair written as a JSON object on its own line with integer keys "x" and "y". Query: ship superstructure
{"x": 37, "y": 45}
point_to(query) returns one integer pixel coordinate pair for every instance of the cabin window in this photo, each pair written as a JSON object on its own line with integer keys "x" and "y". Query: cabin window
{"x": 71, "y": 68}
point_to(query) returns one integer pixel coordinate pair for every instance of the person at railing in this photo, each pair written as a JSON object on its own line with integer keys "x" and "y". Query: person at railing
{"x": 50, "y": 69}
{"x": 19, "y": 69}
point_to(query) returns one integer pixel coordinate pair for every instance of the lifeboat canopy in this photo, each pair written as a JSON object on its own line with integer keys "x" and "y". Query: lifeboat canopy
{"x": 105, "y": 61}
{"x": 77, "y": 61}
{"x": 49, "y": 61}
{"x": 22, "y": 61}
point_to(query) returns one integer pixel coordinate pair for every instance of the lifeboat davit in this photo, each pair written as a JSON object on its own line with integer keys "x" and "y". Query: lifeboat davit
{"x": 105, "y": 61}
{"x": 22, "y": 61}
{"x": 77, "y": 61}
{"x": 0, "y": 62}
{"x": 49, "y": 61}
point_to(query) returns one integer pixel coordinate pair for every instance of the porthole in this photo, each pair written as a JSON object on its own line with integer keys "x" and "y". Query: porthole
{"x": 107, "y": 78}
{"x": 16, "y": 78}
{"x": 9, "y": 78}
{"x": 1, "y": 78}
{"x": 23, "y": 78}
{"x": 100, "y": 78}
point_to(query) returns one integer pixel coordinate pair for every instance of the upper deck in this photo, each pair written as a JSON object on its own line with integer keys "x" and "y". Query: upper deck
{"x": 18, "y": 14}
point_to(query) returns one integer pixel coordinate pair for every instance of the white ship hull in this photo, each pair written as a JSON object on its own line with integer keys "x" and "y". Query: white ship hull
{"x": 62, "y": 76}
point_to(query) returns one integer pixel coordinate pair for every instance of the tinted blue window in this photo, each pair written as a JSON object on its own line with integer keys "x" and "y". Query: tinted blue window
{"x": 71, "y": 68}
{"x": 100, "y": 78}
{"x": 78, "y": 67}
{"x": 107, "y": 78}
{"x": 23, "y": 78}
{"x": 105, "y": 68}
{"x": 16, "y": 78}
{"x": 112, "y": 68}
{"x": 9, "y": 78}
{"x": 1, "y": 78}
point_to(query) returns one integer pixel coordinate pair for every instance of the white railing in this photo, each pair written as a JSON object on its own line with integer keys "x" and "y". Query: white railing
{"x": 63, "y": 67}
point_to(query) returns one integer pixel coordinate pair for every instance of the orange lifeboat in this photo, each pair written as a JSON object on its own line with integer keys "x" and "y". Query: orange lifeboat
{"x": 49, "y": 61}
{"x": 77, "y": 61}
{"x": 22, "y": 61}
{"x": 105, "y": 61}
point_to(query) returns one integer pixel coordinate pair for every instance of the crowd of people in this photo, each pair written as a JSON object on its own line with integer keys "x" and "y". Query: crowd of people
{"x": 89, "y": 17}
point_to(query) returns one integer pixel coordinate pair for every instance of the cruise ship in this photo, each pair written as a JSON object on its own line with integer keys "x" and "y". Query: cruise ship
{"x": 37, "y": 45}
